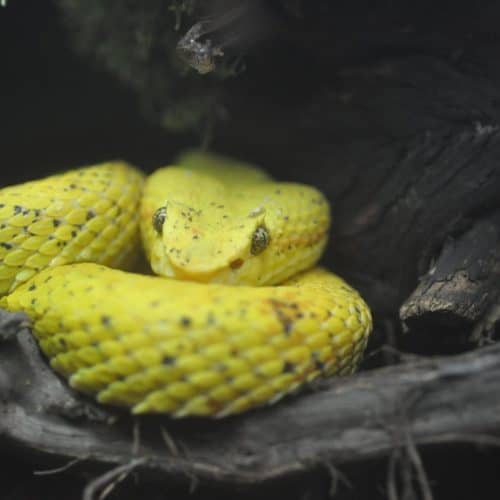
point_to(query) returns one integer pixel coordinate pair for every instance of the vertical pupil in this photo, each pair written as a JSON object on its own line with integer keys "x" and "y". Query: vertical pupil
{"x": 260, "y": 240}
{"x": 159, "y": 218}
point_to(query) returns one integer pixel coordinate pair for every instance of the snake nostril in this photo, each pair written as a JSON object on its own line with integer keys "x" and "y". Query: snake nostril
{"x": 159, "y": 218}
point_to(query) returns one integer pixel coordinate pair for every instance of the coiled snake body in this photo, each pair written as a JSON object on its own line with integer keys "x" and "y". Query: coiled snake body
{"x": 190, "y": 342}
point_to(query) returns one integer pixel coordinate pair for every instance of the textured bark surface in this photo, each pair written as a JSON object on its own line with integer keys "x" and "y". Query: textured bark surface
{"x": 419, "y": 402}
{"x": 461, "y": 288}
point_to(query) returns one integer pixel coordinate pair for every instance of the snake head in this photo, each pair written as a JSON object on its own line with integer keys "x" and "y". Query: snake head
{"x": 208, "y": 242}
{"x": 211, "y": 220}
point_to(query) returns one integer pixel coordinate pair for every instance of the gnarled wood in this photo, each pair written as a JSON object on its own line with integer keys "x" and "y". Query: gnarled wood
{"x": 462, "y": 285}
{"x": 347, "y": 420}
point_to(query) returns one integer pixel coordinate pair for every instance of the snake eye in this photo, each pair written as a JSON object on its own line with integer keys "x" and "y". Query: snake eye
{"x": 159, "y": 218}
{"x": 260, "y": 240}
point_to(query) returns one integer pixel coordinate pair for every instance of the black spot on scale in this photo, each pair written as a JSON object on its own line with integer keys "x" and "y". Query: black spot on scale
{"x": 90, "y": 214}
{"x": 32, "y": 287}
{"x": 319, "y": 364}
{"x": 105, "y": 320}
{"x": 185, "y": 321}
{"x": 168, "y": 360}
{"x": 56, "y": 222}
{"x": 2, "y": 205}
{"x": 7, "y": 246}
{"x": 17, "y": 209}
{"x": 288, "y": 367}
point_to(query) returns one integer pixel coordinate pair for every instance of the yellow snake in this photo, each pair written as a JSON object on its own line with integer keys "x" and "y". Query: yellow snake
{"x": 194, "y": 343}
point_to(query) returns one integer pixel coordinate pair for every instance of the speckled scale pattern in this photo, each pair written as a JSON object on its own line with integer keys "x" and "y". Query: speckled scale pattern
{"x": 87, "y": 214}
{"x": 184, "y": 348}
{"x": 212, "y": 209}
{"x": 179, "y": 347}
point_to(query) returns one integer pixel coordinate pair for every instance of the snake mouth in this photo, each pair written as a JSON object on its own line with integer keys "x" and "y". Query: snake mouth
{"x": 170, "y": 269}
{"x": 205, "y": 260}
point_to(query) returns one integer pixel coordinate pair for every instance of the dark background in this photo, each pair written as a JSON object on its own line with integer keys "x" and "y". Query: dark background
{"x": 59, "y": 110}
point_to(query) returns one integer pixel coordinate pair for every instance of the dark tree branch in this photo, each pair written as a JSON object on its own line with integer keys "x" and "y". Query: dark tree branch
{"x": 347, "y": 420}
{"x": 461, "y": 286}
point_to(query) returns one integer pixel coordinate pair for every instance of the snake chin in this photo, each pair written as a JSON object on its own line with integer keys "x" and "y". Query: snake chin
{"x": 166, "y": 261}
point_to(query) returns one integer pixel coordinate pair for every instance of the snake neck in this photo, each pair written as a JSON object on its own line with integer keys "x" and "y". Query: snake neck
{"x": 215, "y": 229}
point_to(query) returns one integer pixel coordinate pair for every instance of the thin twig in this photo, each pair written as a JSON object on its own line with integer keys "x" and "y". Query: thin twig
{"x": 423, "y": 480}
{"x": 136, "y": 437}
{"x": 336, "y": 477}
{"x": 456, "y": 437}
{"x": 392, "y": 490}
{"x": 169, "y": 441}
{"x": 110, "y": 479}
{"x": 63, "y": 468}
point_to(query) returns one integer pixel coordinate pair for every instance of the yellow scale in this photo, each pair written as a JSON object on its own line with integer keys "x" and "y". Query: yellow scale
{"x": 239, "y": 316}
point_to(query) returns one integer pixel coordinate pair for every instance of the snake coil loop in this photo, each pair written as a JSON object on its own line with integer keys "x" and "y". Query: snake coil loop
{"x": 245, "y": 317}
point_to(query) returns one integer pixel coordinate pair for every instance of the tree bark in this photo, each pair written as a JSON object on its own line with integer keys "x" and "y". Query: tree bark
{"x": 461, "y": 286}
{"x": 372, "y": 414}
